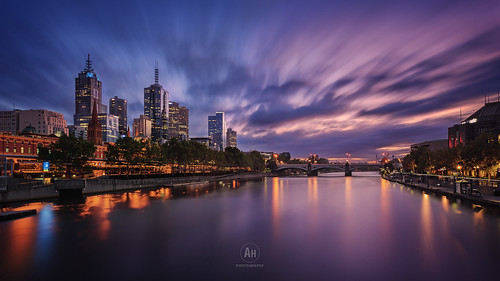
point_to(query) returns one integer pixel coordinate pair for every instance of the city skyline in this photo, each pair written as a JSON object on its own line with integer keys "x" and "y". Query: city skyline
{"x": 314, "y": 77}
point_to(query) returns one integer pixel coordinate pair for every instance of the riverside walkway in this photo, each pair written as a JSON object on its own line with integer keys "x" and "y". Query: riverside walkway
{"x": 446, "y": 185}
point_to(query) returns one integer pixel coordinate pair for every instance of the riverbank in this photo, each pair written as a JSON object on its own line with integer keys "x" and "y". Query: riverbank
{"x": 447, "y": 190}
{"x": 108, "y": 185}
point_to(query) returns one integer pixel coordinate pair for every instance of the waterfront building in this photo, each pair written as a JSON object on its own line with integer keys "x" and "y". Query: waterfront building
{"x": 217, "y": 131}
{"x": 156, "y": 108}
{"x": 23, "y": 148}
{"x": 431, "y": 145}
{"x": 118, "y": 107}
{"x": 231, "y": 138}
{"x": 484, "y": 120}
{"x": 44, "y": 121}
{"x": 88, "y": 88}
{"x": 178, "y": 121}
{"x": 142, "y": 127}
{"x": 202, "y": 140}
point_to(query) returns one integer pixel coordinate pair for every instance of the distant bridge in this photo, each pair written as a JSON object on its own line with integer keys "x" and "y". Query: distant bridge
{"x": 313, "y": 169}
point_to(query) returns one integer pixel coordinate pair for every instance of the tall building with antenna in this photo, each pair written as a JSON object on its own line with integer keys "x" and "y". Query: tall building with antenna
{"x": 88, "y": 88}
{"x": 156, "y": 108}
{"x": 88, "y": 96}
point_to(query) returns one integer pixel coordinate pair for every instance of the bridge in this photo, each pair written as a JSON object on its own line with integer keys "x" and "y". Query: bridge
{"x": 312, "y": 170}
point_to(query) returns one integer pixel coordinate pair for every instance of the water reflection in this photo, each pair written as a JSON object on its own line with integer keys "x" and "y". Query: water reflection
{"x": 385, "y": 205}
{"x": 445, "y": 203}
{"x": 45, "y": 233}
{"x": 348, "y": 192}
{"x": 22, "y": 237}
{"x": 312, "y": 192}
{"x": 275, "y": 206}
{"x": 426, "y": 233}
{"x": 346, "y": 228}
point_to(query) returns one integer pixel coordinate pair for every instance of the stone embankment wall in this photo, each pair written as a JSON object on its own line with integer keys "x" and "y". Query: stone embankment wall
{"x": 105, "y": 185}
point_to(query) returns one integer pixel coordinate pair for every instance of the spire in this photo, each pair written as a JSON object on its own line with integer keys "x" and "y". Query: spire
{"x": 128, "y": 131}
{"x": 94, "y": 110}
{"x": 94, "y": 130}
{"x": 89, "y": 64}
{"x": 156, "y": 72}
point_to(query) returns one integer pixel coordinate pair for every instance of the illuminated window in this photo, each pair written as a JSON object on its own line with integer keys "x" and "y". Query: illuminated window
{"x": 22, "y": 149}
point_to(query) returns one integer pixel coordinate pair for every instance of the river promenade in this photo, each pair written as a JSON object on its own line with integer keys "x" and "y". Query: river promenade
{"x": 473, "y": 190}
{"x": 108, "y": 185}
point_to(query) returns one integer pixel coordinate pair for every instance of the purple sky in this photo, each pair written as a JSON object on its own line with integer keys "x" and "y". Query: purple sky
{"x": 324, "y": 77}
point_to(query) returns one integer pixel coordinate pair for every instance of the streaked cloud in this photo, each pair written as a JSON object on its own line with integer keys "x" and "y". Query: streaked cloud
{"x": 324, "y": 77}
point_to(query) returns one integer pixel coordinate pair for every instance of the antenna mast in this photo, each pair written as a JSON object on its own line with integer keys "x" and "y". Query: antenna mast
{"x": 156, "y": 72}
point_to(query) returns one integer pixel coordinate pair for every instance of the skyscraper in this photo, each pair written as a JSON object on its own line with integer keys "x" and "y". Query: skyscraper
{"x": 173, "y": 120}
{"x": 88, "y": 96}
{"x": 87, "y": 89}
{"x": 231, "y": 138}
{"x": 156, "y": 108}
{"x": 184, "y": 122}
{"x": 118, "y": 107}
{"x": 217, "y": 131}
{"x": 178, "y": 121}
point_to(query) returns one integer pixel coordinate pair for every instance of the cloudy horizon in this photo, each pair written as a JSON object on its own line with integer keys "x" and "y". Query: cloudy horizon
{"x": 324, "y": 77}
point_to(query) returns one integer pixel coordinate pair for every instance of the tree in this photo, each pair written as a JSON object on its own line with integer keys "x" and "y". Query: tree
{"x": 419, "y": 160}
{"x": 69, "y": 154}
{"x": 271, "y": 165}
{"x": 257, "y": 162}
{"x": 284, "y": 157}
{"x": 126, "y": 150}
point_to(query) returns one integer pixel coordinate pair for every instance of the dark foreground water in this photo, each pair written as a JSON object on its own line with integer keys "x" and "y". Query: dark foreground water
{"x": 321, "y": 228}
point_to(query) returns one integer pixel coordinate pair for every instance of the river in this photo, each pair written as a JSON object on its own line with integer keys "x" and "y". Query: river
{"x": 318, "y": 228}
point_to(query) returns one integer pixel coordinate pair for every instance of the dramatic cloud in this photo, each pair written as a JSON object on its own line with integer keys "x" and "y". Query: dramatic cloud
{"x": 324, "y": 77}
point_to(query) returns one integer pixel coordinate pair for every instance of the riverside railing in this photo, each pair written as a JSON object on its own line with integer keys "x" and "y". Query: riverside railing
{"x": 485, "y": 186}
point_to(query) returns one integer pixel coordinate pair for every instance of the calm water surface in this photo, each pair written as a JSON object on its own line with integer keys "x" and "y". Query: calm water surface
{"x": 320, "y": 228}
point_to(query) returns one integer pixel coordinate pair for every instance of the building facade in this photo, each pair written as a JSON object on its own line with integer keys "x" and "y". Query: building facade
{"x": 142, "y": 127}
{"x": 22, "y": 148}
{"x": 484, "y": 120}
{"x": 156, "y": 108}
{"x": 45, "y": 122}
{"x": 431, "y": 145}
{"x": 77, "y": 131}
{"x": 109, "y": 124}
{"x": 231, "y": 138}
{"x": 118, "y": 107}
{"x": 204, "y": 141}
{"x": 217, "y": 131}
{"x": 9, "y": 121}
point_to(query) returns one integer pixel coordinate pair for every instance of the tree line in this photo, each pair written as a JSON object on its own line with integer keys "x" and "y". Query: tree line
{"x": 71, "y": 155}
{"x": 480, "y": 157}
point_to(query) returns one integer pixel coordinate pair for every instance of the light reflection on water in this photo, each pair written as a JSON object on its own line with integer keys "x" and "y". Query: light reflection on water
{"x": 354, "y": 228}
